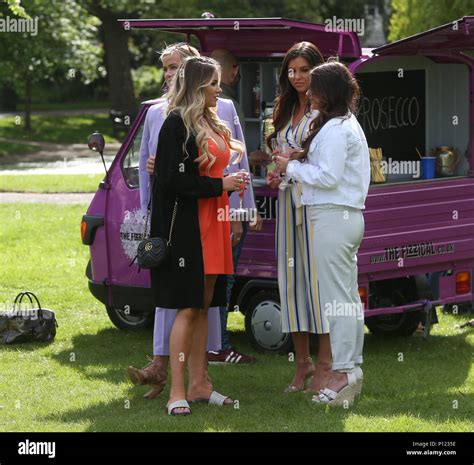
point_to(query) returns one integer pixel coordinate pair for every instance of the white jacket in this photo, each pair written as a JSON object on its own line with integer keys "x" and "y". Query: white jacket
{"x": 337, "y": 168}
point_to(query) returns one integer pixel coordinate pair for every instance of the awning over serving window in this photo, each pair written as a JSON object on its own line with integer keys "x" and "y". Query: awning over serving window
{"x": 256, "y": 37}
{"x": 457, "y": 36}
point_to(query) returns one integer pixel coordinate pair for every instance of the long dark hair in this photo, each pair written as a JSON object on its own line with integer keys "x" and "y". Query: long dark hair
{"x": 288, "y": 97}
{"x": 338, "y": 93}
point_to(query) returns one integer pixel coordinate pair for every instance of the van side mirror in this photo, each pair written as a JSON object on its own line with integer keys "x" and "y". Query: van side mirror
{"x": 96, "y": 142}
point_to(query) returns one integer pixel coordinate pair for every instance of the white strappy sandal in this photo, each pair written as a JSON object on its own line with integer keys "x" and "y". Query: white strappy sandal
{"x": 215, "y": 399}
{"x": 345, "y": 397}
{"x": 178, "y": 404}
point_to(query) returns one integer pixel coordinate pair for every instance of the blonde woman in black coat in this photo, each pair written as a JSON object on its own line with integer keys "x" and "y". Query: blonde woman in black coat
{"x": 193, "y": 149}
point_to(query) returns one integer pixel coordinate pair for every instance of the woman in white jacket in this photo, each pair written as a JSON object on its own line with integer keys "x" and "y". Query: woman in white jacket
{"x": 334, "y": 170}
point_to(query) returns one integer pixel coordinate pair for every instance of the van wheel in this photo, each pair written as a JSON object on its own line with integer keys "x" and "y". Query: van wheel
{"x": 133, "y": 322}
{"x": 395, "y": 324}
{"x": 263, "y": 323}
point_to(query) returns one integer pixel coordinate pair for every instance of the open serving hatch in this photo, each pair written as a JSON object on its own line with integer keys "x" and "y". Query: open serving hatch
{"x": 457, "y": 37}
{"x": 255, "y": 37}
{"x": 438, "y": 78}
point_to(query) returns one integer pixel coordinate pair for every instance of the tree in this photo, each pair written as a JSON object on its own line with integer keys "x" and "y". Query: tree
{"x": 118, "y": 43}
{"x": 63, "y": 44}
{"x": 14, "y": 6}
{"x": 413, "y": 16}
{"x": 116, "y": 46}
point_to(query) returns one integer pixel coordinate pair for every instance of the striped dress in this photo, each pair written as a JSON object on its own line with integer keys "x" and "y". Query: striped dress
{"x": 297, "y": 278}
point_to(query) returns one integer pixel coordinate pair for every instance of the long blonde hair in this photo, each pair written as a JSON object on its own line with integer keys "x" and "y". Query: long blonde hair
{"x": 188, "y": 97}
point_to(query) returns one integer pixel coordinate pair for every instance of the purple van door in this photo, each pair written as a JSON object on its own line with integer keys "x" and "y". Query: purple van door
{"x": 123, "y": 290}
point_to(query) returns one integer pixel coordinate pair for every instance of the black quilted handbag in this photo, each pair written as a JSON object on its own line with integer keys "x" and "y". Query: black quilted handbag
{"x": 27, "y": 324}
{"x": 154, "y": 251}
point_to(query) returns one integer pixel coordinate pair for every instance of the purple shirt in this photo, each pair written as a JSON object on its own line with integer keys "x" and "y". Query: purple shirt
{"x": 155, "y": 117}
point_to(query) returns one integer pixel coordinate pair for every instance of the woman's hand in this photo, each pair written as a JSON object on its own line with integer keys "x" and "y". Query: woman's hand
{"x": 232, "y": 182}
{"x": 273, "y": 179}
{"x": 150, "y": 164}
{"x": 281, "y": 163}
{"x": 293, "y": 154}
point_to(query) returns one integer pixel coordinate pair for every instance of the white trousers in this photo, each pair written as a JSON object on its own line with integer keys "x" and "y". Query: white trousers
{"x": 338, "y": 232}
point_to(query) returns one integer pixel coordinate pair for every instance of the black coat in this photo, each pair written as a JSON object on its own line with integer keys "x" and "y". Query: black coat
{"x": 180, "y": 282}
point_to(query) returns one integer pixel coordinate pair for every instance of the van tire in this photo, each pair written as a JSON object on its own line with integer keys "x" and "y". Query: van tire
{"x": 134, "y": 322}
{"x": 267, "y": 336}
{"x": 395, "y": 324}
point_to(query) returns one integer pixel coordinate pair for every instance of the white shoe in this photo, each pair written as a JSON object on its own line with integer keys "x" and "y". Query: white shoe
{"x": 170, "y": 408}
{"x": 345, "y": 397}
{"x": 360, "y": 378}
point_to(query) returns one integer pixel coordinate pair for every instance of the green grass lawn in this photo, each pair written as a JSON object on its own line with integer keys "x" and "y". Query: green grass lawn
{"x": 73, "y": 129}
{"x": 50, "y": 183}
{"x": 13, "y": 148}
{"x": 78, "y": 383}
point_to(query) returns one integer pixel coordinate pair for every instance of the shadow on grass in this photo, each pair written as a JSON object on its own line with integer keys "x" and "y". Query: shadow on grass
{"x": 110, "y": 348}
{"x": 118, "y": 349}
{"x": 423, "y": 386}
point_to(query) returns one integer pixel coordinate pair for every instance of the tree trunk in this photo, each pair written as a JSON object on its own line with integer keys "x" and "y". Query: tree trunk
{"x": 117, "y": 63}
{"x": 9, "y": 98}
{"x": 28, "y": 104}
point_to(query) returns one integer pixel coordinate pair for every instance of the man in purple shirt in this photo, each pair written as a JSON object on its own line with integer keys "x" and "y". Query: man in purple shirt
{"x": 155, "y": 373}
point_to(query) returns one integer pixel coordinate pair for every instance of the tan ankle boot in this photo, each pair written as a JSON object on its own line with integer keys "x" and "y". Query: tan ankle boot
{"x": 152, "y": 373}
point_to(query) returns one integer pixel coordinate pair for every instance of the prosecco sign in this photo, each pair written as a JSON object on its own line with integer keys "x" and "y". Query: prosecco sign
{"x": 392, "y": 112}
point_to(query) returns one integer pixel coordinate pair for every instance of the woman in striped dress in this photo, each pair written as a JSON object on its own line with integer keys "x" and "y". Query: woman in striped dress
{"x": 299, "y": 294}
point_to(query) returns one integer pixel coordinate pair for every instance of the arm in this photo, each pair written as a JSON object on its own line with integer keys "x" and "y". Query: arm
{"x": 172, "y": 169}
{"x": 249, "y": 198}
{"x": 331, "y": 161}
{"x": 144, "y": 177}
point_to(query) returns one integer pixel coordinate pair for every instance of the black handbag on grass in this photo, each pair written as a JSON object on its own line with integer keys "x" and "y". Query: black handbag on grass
{"x": 34, "y": 324}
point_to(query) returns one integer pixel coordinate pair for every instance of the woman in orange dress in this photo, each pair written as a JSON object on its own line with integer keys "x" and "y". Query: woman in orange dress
{"x": 215, "y": 233}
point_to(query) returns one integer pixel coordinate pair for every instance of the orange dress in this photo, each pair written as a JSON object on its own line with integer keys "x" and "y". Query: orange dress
{"x": 214, "y": 217}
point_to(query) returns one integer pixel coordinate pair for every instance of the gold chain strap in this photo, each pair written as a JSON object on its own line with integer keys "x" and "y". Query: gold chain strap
{"x": 175, "y": 209}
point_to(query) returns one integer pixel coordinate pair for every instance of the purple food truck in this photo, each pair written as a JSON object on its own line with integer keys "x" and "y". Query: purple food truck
{"x": 417, "y": 110}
